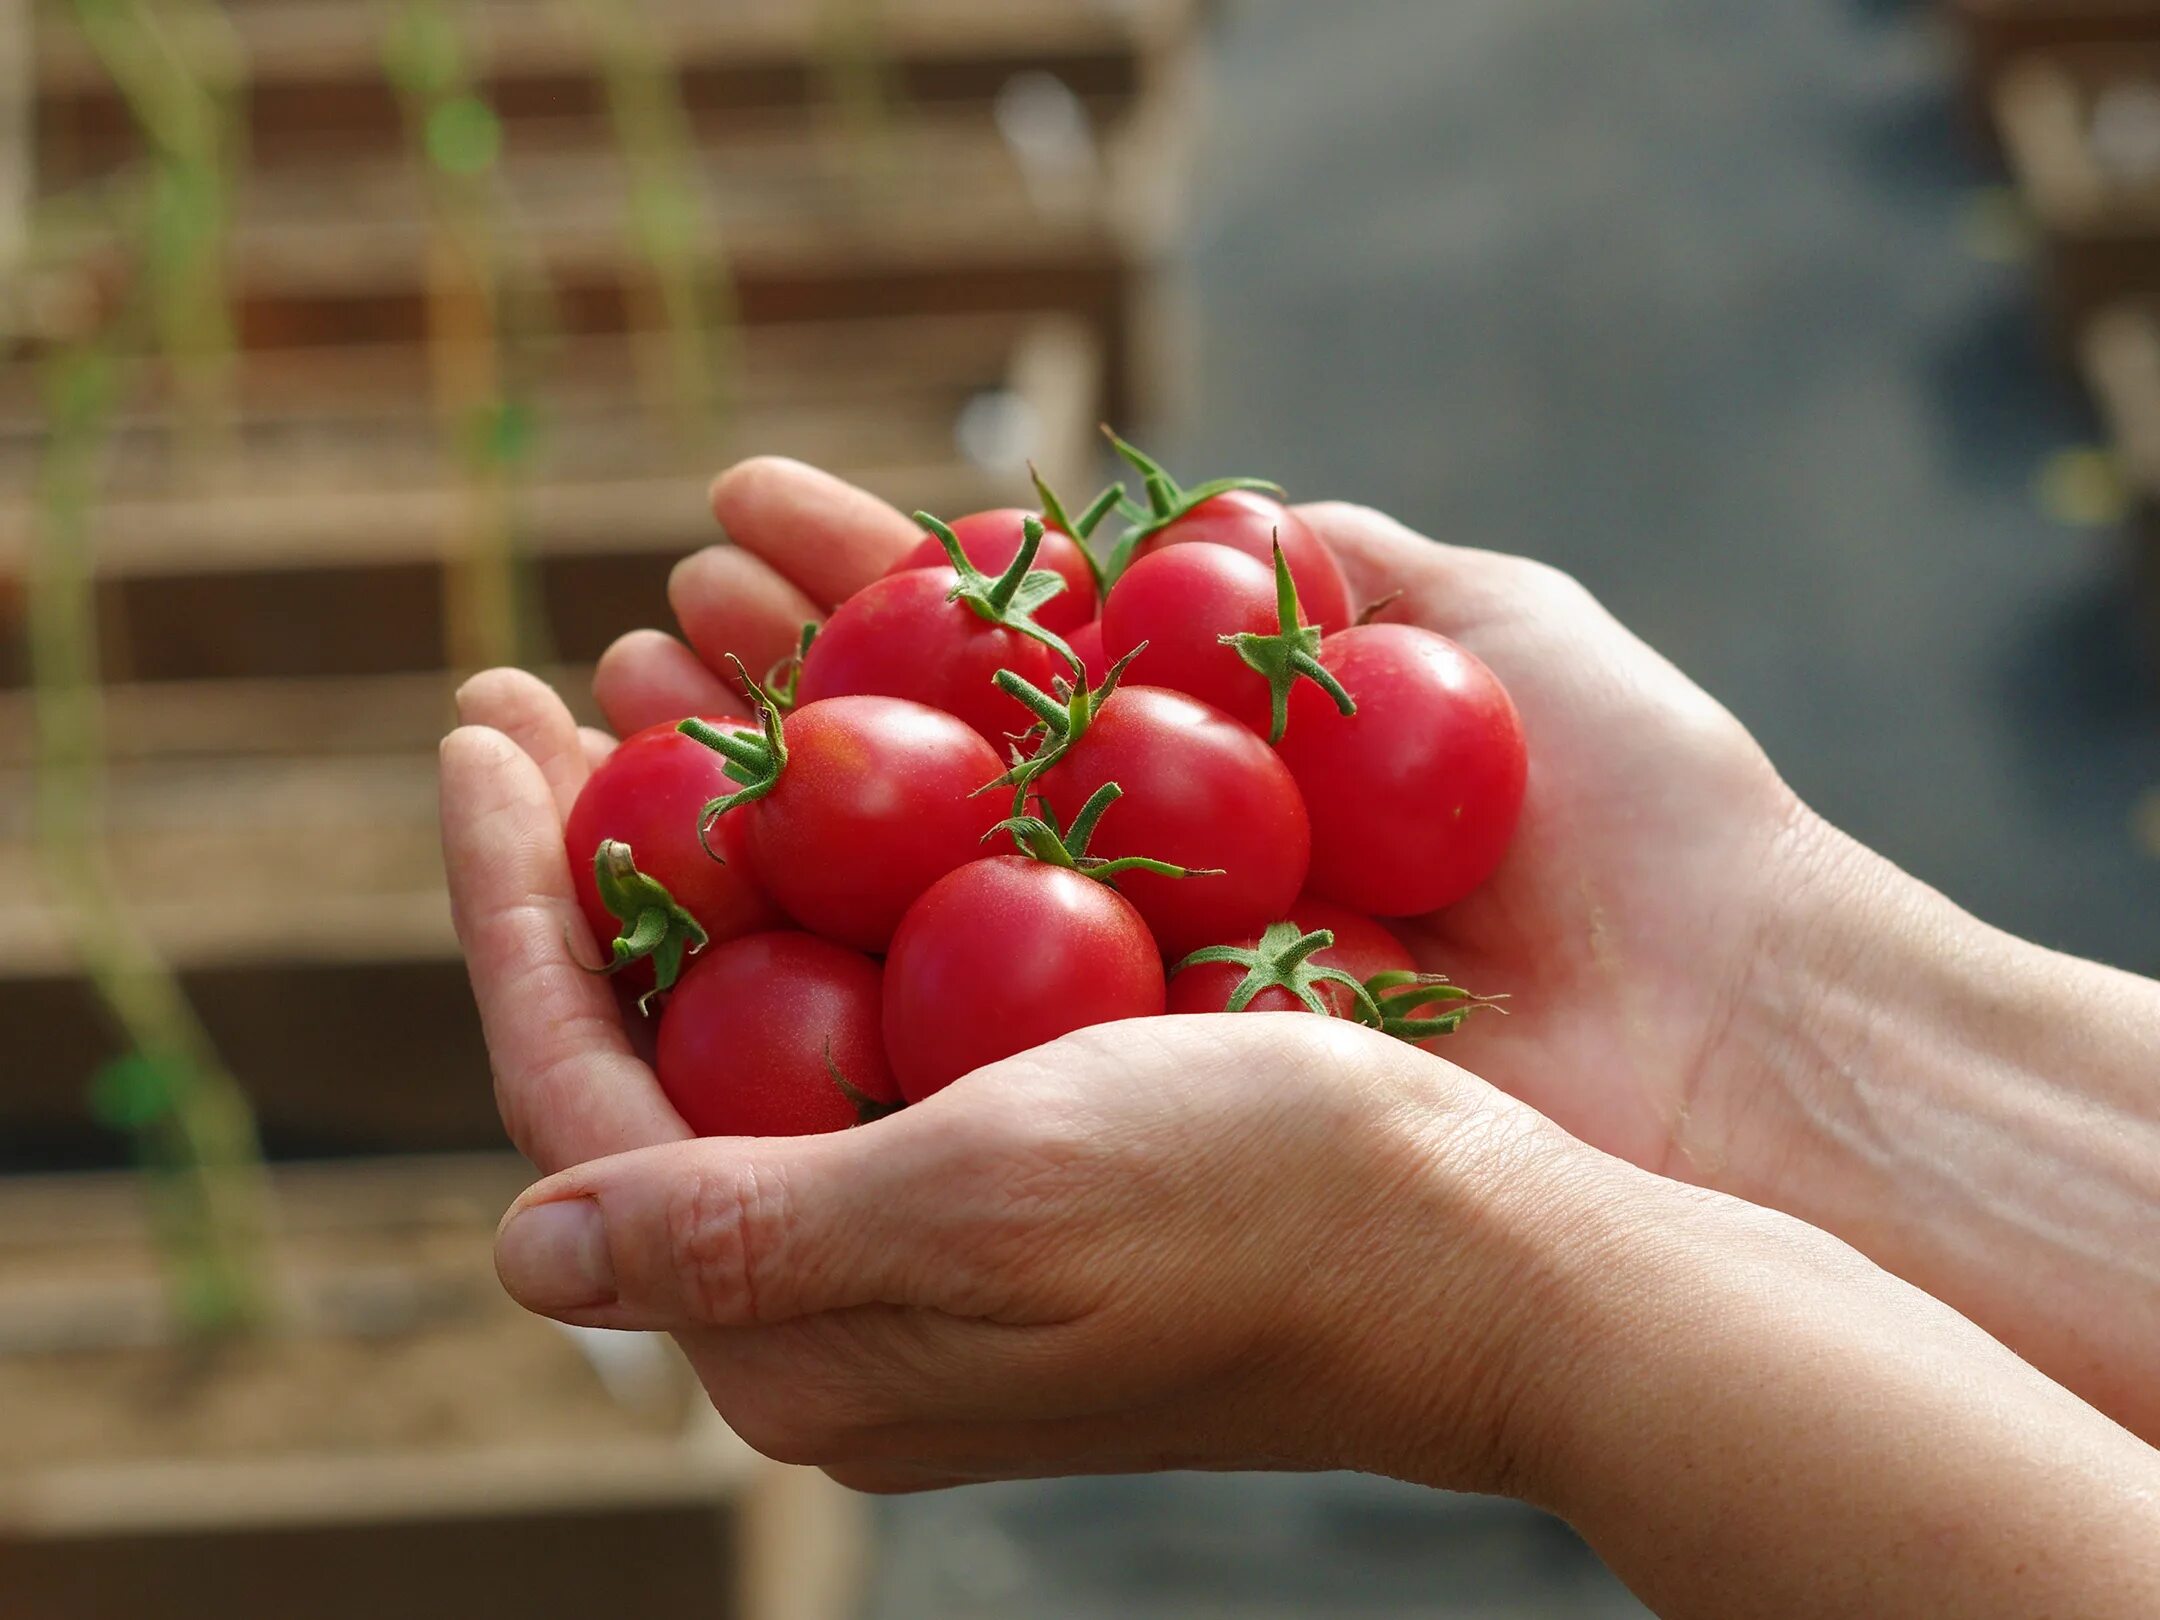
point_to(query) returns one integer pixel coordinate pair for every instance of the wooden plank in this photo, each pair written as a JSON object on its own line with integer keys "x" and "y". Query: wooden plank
{"x": 18, "y": 155}
{"x": 1998, "y": 33}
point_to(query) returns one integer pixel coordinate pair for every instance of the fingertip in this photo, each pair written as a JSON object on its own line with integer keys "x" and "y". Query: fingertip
{"x": 597, "y": 744}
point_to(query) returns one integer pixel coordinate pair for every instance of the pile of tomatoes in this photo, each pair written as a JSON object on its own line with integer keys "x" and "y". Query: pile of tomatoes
{"x": 1025, "y": 783}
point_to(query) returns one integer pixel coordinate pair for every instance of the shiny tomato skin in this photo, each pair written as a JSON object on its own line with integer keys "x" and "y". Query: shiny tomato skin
{"x": 647, "y": 794}
{"x": 1087, "y": 645}
{"x": 1180, "y": 601}
{"x": 1414, "y": 798}
{"x": 872, "y": 808}
{"x": 991, "y": 540}
{"x": 899, "y": 637}
{"x": 1362, "y": 948}
{"x": 1247, "y": 521}
{"x": 1200, "y": 791}
{"x": 1003, "y": 955}
{"x": 745, "y": 1037}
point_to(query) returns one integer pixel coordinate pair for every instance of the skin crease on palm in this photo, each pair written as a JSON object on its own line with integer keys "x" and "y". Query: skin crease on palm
{"x": 1162, "y": 1248}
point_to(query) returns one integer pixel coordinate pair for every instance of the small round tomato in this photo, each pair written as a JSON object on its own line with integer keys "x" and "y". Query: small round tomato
{"x": 1248, "y": 521}
{"x": 647, "y": 794}
{"x": 1414, "y": 798}
{"x": 1199, "y": 791}
{"x": 1003, "y": 955}
{"x": 1087, "y": 645}
{"x": 1181, "y": 602}
{"x": 871, "y": 800}
{"x": 769, "y": 1034}
{"x": 991, "y": 540}
{"x": 902, "y": 637}
{"x": 1362, "y": 948}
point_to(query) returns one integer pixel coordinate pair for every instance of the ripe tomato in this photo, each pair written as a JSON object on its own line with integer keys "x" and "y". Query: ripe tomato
{"x": 992, "y": 540}
{"x": 1003, "y": 955}
{"x": 1181, "y": 602}
{"x": 1248, "y": 521}
{"x": 869, "y": 803}
{"x": 1200, "y": 791}
{"x": 1087, "y": 645}
{"x": 753, "y": 1036}
{"x": 900, "y": 637}
{"x": 647, "y": 795}
{"x": 1362, "y": 948}
{"x": 1415, "y": 797}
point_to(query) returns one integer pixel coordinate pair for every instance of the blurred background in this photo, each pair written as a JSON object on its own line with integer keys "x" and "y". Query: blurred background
{"x": 351, "y": 345}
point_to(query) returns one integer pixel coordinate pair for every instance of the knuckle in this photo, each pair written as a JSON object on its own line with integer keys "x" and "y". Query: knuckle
{"x": 724, "y": 1230}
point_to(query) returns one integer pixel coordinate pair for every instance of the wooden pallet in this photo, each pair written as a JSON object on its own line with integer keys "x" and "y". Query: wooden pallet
{"x": 2119, "y": 356}
{"x": 659, "y": 1509}
{"x": 2097, "y": 210}
{"x": 319, "y": 543}
{"x": 315, "y": 66}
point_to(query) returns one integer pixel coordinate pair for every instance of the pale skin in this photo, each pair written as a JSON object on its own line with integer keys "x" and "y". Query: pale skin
{"x": 1602, "y": 1264}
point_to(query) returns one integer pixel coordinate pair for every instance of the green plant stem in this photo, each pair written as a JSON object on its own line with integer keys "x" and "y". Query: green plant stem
{"x": 693, "y": 346}
{"x": 210, "y": 1193}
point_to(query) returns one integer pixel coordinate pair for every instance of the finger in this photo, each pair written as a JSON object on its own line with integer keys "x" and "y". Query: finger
{"x": 824, "y": 536}
{"x": 598, "y": 745}
{"x": 529, "y": 712}
{"x": 648, "y": 678}
{"x": 567, "y": 1083}
{"x": 733, "y": 1232}
{"x": 727, "y": 601}
{"x": 1446, "y": 588}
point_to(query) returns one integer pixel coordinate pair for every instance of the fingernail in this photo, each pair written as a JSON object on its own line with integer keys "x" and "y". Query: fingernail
{"x": 554, "y": 1257}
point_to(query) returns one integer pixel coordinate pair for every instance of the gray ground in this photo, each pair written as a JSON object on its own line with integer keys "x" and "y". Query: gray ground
{"x": 1676, "y": 296}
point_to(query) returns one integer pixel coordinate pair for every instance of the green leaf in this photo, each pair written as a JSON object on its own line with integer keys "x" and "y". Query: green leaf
{"x": 464, "y": 137}
{"x": 134, "y": 1091}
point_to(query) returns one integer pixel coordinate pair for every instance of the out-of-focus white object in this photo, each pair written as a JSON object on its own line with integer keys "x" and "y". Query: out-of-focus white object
{"x": 636, "y": 1369}
{"x": 997, "y": 430}
{"x": 1050, "y": 135}
{"x": 2125, "y": 132}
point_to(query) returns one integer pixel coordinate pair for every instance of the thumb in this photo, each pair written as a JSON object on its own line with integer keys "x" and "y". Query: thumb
{"x": 729, "y": 1232}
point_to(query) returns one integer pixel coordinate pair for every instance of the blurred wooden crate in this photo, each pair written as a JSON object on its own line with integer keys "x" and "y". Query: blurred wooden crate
{"x": 2119, "y": 355}
{"x": 319, "y": 543}
{"x": 138, "y": 1488}
{"x": 1996, "y": 33}
{"x": 314, "y": 68}
{"x": 2082, "y": 133}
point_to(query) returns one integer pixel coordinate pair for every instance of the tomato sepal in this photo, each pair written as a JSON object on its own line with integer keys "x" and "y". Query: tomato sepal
{"x": 1062, "y": 717}
{"x": 1167, "y": 501}
{"x": 1012, "y": 599}
{"x": 755, "y": 762}
{"x": 1283, "y": 961}
{"x": 1289, "y": 655}
{"x": 1039, "y": 838}
{"x": 655, "y": 926}
{"x": 1082, "y": 528}
{"x": 1399, "y": 996}
{"x": 785, "y": 676}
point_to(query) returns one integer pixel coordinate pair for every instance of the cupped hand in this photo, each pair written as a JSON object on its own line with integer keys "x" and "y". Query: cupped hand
{"x": 1631, "y": 919}
{"x": 1273, "y": 1241}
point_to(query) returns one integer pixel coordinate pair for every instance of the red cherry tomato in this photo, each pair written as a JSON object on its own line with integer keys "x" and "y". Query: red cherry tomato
{"x": 1003, "y": 955}
{"x": 1247, "y": 521}
{"x": 1200, "y": 791}
{"x": 991, "y": 540}
{"x": 1362, "y": 948}
{"x": 1415, "y": 797}
{"x": 647, "y": 794}
{"x": 872, "y": 807}
{"x": 899, "y": 637}
{"x": 747, "y": 1036}
{"x": 1087, "y": 645}
{"x": 1180, "y": 602}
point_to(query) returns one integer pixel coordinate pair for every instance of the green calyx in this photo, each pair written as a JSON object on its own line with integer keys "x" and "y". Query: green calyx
{"x": 867, "y": 1107}
{"x": 1167, "y": 501}
{"x": 785, "y": 677}
{"x": 1040, "y": 838}
{"x": 1083, "y": 527}
{"x": 1401, "y": 997}
{"x": 654, "y": 924}
{"x": 1011, "y": 599}
{"x": 1290, "y": 655}
{"x": 1062, "y": 717}
{"x": 755, "y": 762}
{"x": 1283, "y": 961}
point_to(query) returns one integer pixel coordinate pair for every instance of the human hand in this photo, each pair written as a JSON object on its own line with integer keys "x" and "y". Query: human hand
{"x": 1629, "y": 920}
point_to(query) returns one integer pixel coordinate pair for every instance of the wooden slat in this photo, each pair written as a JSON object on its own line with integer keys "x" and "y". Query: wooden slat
{"x": 17, "y": 152}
